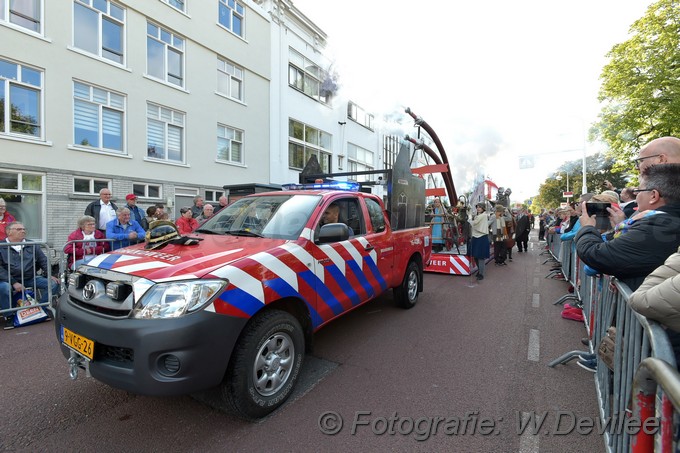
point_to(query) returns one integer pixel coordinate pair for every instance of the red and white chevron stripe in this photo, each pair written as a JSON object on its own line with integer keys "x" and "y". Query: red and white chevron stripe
{"x": 446, "y": 263}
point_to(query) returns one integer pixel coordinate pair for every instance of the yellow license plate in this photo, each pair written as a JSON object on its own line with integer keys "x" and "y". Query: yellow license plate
{"x": 78, "y": 343}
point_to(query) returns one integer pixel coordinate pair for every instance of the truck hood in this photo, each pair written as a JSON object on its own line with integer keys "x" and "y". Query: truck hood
{"x": 179, "y": 262}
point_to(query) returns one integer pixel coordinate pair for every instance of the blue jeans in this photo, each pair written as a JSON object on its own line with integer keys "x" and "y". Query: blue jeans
{"x": 37, "y": 283}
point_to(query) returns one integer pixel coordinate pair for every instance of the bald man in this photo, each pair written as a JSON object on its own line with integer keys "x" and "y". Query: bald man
{"x": 663, "y": 150}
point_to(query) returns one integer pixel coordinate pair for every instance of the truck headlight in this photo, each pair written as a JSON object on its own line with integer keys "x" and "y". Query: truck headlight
{"x": 174, "y": 299}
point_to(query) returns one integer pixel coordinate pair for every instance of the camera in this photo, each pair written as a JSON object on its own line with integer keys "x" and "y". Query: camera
{"x": 599, "y": 210}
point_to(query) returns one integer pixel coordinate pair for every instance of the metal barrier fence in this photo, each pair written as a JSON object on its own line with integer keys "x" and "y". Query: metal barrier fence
{"x": 605, "y": 303}
{"x": 79, "y": 252}
{"x": 27, "y": 264}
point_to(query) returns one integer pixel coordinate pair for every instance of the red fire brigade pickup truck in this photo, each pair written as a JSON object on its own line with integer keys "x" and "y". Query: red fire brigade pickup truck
{"x": 233, "y": 306}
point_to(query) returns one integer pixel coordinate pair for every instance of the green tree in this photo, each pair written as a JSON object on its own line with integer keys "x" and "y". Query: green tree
{"x": 641, "y": 85}
{"x": 598, "y": 169}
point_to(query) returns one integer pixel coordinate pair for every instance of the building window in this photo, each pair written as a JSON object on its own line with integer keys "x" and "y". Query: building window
{"x": 177, "y": 4}
{"x": 305, "y": 141}
{"x": 22, "y": 13}
{"x": 359, "y": 159}
{"x": 20, "y": 99}
{"x": 232, "y": 16}
{"x": 24, "y": 194}
{"x": 307, "y": 77}
{"x": 229, "y": 144}
{"x": 89, "y": 186}
{"x": 229, "y": 79}
{"x": 165, "y": 133}
{"x": 164, "y": 55}
{"x": 147, "y": 190}
{"x": 99, "y": 28}
{"x": 356, "y": 113}
{"x": 98, "y": 117}
{"x": 213, "y": 195}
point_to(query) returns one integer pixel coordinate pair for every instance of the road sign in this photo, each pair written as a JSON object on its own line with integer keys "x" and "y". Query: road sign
{"x": 526, "y": 162}
{"x": 567, "y": 194}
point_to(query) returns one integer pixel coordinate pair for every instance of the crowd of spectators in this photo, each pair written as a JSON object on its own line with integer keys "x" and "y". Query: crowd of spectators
{"x": 639, "y": 241}
{"x": 103, "y": 227}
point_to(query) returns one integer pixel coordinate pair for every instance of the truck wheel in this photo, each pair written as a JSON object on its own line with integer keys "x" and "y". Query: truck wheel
{"x": 265, "y": 365}
{"x": 406, "y": 295}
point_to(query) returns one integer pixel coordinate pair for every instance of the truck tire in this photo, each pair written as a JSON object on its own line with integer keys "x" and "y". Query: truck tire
{"x": 265, "y": 365}
{"x": 406, "y": 294}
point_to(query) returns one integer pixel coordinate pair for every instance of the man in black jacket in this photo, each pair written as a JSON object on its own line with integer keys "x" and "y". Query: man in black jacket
{"x": 19, "y": 265}
{"x": 522, "y": 231}
{"x": 103, "y": 210}
{"x": 644, "y": 241}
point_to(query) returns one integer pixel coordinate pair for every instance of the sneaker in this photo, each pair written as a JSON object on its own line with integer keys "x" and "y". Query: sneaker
{"x": 587, "y": 356}
{"x": 9, "y": 324}
{"x": 480, "y": 277}
{"x": 590, "y": 365}
{"x": 585, "y": 341}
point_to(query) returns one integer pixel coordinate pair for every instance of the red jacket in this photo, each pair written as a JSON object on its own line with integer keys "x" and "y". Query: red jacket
{"x": 77, "y": 248}
{"x": 8, "y": 218}
{"x": 186, "y": 226}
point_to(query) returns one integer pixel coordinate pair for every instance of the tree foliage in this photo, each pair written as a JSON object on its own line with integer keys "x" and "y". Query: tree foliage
{"x": 598, "y": 169}
{"x": 640, "y": 88}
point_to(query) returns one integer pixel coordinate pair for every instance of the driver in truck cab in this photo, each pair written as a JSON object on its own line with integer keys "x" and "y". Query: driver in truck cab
{"x": 332, "y": 215}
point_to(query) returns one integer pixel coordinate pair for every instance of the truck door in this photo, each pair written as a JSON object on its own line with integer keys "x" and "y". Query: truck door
{"x": 347, "y": 268}
{"x": 379, "y": 239}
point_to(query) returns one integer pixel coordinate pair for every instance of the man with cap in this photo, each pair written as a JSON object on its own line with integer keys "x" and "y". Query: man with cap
{"x": 135, "y": 212}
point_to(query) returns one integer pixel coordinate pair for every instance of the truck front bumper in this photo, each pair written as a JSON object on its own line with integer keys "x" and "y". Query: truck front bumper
{"x": 154, "y": 356}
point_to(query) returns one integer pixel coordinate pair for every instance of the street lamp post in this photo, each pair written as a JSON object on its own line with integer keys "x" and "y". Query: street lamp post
{"x": 559, "y": 178}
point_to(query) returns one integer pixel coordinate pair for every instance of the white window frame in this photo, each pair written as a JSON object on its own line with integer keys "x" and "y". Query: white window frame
{"x": 92, "y": 183}
{"x": 113, "y": 102}
{"x": 235, "y": 9}
{"x": 103, "y": 16}
{"x": 359, "y": 159}
{"x": 307, "y": 77}
{"x": 6, "y": 16}
{"x": 141, "y": 189}
{"x": 230, "y": 73}
{"x": 322, "y": 153}
{"x": 359, "y": 115}
{"x": 19, "y": 80}
{"x": 36, "y": 228}
{"x": 232, "y": 136}
{"x": 175, "y": 3}
{"x": 172, "y": 43}
{"x": 213, "y": 196}
{"x": 168, "y": 119}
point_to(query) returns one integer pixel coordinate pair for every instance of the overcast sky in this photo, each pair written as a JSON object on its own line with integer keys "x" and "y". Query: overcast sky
{"x": 495, "y": 79}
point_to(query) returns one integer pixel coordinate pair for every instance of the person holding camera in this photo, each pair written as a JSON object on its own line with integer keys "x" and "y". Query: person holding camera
{"x": 642, "y": 243}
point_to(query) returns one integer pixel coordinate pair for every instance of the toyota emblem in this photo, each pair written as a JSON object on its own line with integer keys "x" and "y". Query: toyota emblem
{"x": 89, "y": 291}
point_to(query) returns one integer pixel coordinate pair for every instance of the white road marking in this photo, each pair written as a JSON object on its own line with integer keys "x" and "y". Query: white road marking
{"x": 534, "y": 345}
{"x": 528, "y": 441}
{"x": 535, "y": 300}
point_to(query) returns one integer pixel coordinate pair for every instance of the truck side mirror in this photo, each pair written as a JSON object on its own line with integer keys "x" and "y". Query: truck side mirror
{"x": 333, "y": 232}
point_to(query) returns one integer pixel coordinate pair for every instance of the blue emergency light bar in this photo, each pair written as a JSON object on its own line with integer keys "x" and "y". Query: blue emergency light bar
{"x": 349, "y": 186}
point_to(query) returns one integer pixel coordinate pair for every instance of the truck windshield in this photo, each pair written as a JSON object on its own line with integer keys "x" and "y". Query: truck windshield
{"x": 270, "y": 216}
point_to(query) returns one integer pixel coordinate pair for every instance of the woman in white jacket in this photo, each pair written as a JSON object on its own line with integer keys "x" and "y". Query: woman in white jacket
{"x": 658, "y": 298}
{"x": 479, "y": 244}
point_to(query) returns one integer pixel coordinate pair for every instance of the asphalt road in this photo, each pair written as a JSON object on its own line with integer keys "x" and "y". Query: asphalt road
{"x": 454, "y": 374}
